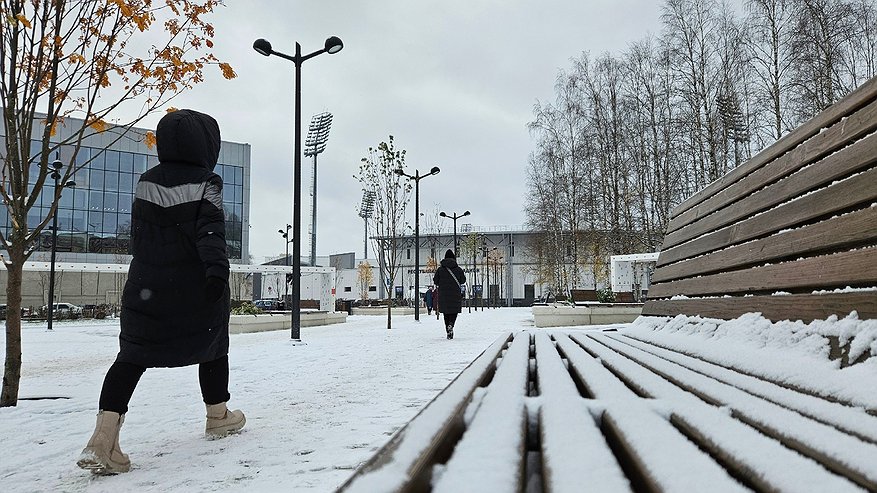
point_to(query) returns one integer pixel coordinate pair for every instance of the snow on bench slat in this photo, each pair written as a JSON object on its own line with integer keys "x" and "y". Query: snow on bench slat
{"x": 654, "y": 444}
{"x": 750, "y": 344}
{"x": 574, "y": 450}
{"x": 853, "y": 420}
{"x": 764, "y": 461}
{"x": 491, "y": 451}
{"x": 421, "y": 433}
{"x": 836, "y": 450}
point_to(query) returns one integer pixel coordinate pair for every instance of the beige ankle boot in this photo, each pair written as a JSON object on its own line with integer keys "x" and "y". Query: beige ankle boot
{"x": 102, "y": 455}
{"x": 221, "y": 421}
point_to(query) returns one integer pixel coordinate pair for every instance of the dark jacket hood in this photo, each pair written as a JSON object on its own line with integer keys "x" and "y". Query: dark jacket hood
{"x": 450, "y": 263}
{"x": 187, "y": 136}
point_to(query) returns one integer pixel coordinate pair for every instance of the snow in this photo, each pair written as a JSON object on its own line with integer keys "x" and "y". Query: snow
{"x": 751, "y": 343}
{"x": 318, "y": 411}
{"x": 315, "y": 412}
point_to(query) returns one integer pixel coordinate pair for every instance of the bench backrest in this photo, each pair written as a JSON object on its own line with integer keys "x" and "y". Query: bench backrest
{"x": 784, "y": 233}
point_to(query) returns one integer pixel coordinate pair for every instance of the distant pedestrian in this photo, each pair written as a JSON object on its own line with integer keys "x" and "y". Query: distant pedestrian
{"x": 449, "y": 278}
{"x": 427, "y": 298}
{"x": 175, "y": 304}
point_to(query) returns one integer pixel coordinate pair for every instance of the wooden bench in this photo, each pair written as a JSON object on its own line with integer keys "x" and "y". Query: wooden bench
{"x": 791, "y": 233}
{"x": 582, "y": 295}
{"x": 786, "y": 232}
{"x": 572, "y": 411}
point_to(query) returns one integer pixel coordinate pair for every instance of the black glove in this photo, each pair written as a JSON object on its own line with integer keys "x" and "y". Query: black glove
{"x": 215, "y": 289}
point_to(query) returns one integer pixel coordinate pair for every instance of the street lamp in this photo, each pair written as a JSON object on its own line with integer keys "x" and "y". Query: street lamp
{"x": 417, "y": 177}
{"x": 333, "y": 45}
{"x": 56, "y": 175}
{"x": 315, "y": 143}
{"x": 454, "y": 217}
{"x": 285, "y": 235}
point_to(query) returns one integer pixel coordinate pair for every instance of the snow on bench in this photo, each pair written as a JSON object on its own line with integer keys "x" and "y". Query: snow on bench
{"x": 575, "y": 410}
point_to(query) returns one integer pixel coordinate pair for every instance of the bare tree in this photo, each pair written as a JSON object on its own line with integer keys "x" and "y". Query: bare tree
{"x": 392, "y": 193}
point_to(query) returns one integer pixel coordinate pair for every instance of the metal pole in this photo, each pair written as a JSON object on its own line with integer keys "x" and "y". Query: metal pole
{"x": 416, "y": 244}
{"x": 55, "y": 175}
{"x": 285, "y": 282}
{"x": 296, "y": 205}
{"x": 314, "y": 218}
{"x": 455, "y": 232}
{"x": 365, "y": 240}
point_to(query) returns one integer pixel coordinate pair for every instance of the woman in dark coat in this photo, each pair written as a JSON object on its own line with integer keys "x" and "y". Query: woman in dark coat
{"x": 449, "y": 278}
{"x": 175, "y": 304}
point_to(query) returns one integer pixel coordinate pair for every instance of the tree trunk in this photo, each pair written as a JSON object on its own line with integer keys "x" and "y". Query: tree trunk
{"x": 389, "y": 313}
{"x": 12, "y": 368}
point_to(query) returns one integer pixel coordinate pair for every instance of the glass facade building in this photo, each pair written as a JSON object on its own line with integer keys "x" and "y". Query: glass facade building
{"x": 94, "y": 216}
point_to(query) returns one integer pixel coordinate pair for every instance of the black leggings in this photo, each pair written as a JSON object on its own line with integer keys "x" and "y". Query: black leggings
{"x": 122, "y": 378}
{"x": 450, "y": 319}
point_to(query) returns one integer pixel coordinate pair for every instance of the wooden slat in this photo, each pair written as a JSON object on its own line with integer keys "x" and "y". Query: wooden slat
{"x": 843, "y": 133}
{"x": 863, "y": 95}
{"x": 838, "y": 197}
{"x": 856, "y": 228}
{"x": 429, "y": 436}
{"x": 571, "y": 441}
{"x": 856, "y": 268}
{"x": 856, "y": 157}
{"x": 500, "y": 423}
{"x": 803, "y": 307}
{"x": 837, "y": 451}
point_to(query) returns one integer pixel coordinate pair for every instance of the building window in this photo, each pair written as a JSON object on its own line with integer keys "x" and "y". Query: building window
{"x": 408, "y": 254}
{"x": 372, "y": 288}
{"x": 346, "y": 289}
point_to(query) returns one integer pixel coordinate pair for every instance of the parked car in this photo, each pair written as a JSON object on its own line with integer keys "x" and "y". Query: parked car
{"x": 3, "y": 312}
{"x": 268, "y": 305}
{"x": 63, "y": 310}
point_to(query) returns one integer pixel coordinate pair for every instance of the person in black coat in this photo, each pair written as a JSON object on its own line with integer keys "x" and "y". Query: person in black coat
{"x": 175, "y": 304}
{"x": 449, "y": 278}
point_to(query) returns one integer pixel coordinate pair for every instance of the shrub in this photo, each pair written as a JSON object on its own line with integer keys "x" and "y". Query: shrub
{"x": 605, "y": 295}
{"x": 246, "y": 308}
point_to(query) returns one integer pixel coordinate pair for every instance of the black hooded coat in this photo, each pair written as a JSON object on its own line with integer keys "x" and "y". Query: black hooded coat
{"x": 450, "y": 295}
{"x": 177, "y": 243}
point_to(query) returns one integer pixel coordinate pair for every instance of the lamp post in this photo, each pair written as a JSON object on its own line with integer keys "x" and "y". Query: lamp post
{"x": 454, "y": 217}
{"x": 56, "y": 175}
{"x": 417, "y": 177}
{"x": 285, "y": 235}
{"x": 315, "y": 143}
{"x": 333, "y": 45}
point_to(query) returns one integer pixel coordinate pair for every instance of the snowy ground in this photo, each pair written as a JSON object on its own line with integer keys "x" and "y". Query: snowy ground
{"x": 317, "y": 411}
{"x": 314, "y": 412}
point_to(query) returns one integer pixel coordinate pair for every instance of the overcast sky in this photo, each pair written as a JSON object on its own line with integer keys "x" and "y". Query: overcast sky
{"x": 454, "y": 81}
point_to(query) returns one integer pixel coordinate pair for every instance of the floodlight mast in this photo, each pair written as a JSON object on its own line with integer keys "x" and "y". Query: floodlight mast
{"x": 365, "y": 212}
{"x": 315, "y": 143}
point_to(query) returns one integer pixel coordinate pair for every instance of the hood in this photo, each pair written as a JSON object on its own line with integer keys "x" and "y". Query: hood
{"x": 450, "y": 263}
{"x": 187, "y": 136}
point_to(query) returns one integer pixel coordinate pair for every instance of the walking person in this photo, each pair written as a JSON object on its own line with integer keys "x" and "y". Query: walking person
{"x": 449, "y": 278}
{"x": 427, "y": 298}
{"x": 175, "y": 304}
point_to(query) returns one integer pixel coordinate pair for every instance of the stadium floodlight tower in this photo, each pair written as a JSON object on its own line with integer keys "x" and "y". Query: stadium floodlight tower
{"x": 315, "y": 143}
{"x": 365, "y": 212}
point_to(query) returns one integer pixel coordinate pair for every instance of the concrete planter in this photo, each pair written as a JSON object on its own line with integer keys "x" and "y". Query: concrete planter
{"x": 586, "y": 314}
{"x": 241, "y": 324}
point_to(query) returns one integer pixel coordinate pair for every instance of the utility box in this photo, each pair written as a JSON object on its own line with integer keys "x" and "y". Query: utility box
{"x": 632, "y": 273}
